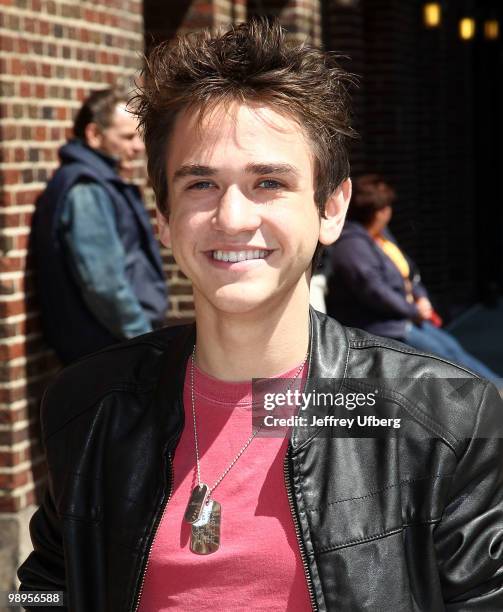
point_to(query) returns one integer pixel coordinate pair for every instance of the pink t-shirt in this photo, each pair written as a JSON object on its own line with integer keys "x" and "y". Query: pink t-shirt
{"x": 258, "y": 565}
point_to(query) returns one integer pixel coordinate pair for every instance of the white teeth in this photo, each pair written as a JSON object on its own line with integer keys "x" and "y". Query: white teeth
{"x": 234, "y": 256}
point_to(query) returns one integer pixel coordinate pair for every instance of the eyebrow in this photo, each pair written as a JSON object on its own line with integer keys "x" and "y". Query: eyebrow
{"x": 253, "y": 168}
{"x": 193, "y": 170}
{"x": 271, "y": 168}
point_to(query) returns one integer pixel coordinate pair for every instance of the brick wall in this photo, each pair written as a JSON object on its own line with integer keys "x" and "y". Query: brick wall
{"x": 52, "y": 54}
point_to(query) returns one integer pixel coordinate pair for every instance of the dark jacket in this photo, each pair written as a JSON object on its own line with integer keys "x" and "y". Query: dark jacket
{"x": 411, "y": 522}
{"x": 70, "y": 325}
{"x": 365, "y": 288}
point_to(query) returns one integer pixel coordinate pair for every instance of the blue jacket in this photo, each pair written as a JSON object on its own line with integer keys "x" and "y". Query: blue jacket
{"x": 99, "y": 270}
{"x": 365, "y": 288}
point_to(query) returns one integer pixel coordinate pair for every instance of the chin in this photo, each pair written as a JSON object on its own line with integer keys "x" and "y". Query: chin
{"x": 234, "y": 300}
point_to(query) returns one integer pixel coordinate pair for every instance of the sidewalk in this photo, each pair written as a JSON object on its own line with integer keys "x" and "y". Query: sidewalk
{"x": 480, "y": 331}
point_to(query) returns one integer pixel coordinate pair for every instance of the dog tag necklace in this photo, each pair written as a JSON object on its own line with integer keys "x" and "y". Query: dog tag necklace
{"x": 204, "y": 513}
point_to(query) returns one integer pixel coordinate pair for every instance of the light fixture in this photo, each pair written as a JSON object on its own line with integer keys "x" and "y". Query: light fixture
{"x": 491, "y": 29}
{"x": 432, "y": 14}
{"x": 467, "y": 28}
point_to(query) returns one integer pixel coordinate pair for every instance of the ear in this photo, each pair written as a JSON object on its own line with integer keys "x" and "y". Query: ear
{"x": 335, "y": 213}
{"x": 93, "y": 135}
{"x": 163, "y": 225}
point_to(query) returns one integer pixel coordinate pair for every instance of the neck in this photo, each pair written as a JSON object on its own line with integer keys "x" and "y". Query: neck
{"x": 373, "y": 230}
{"x": 241, "y": 346}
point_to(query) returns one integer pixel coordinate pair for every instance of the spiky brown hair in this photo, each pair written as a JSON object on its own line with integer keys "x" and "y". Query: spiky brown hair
{"x": 251, "y": 62}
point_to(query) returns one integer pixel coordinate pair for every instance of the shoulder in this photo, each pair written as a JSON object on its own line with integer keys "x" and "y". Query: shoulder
{"x": 353, "y": 240}
{"x": 442, "y": 396}
{"x": 85, "y": 203}
{"x": 378, "y": 356}
{"x": 399, "y": 359}
{"x": 134, "y": 366}
{"x": 68, "y": 178}
{"x": 445, "y": 399}
{"x": 73, "y": 172}
{"x": 86, "y": 191}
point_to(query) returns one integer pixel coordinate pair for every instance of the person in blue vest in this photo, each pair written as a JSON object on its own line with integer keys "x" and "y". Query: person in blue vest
{"x": 98, "y": 266}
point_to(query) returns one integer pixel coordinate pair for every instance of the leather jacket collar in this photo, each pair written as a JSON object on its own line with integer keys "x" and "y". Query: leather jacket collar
{"x": 328, "y": 359}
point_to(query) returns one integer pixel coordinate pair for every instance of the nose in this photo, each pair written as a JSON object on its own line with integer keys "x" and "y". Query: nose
{"x": 236, "y": 213}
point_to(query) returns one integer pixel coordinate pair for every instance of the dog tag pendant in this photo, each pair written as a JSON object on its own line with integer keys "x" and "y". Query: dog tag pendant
{"x": 197, "y": 502}
{"x": 205, "y": 533}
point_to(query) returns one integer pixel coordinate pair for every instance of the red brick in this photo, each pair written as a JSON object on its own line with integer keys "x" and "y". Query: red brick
{"x": 11, "y": 264}
{"x": 11, "y": 458}
{"x": 8, "y": 503}
{"x": 11, "y": 177}
{"x": 19, "y": 155}
{"x": 6, "y": 43}
{"x": 8, "y": 132}
{"x": 40, "y": 133}
{"x": 13, "y": 481}
{"x": 8, "y": 396}
{"x": 29, "y": 25}
{"x": 10, "y": 220}
{"x": 12, "y": 416}
{"x": 16, "y": 66}
{"x": 40, "y": 91}
{"x": 20, "y": 242}
{"x": 22, "y": 46}
{"x": 13, "y": 437}
{"x": 26, "y": 219}
{"x": 44, "y": 28}
{"x": 47, "y": 70}
{"x": 8, "y": 286}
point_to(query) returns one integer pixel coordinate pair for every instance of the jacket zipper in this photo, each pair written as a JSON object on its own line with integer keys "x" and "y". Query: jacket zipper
{"x": 298, "y": 535}
{"x": 145, "y": 567}
{"x": 295, "y": 522}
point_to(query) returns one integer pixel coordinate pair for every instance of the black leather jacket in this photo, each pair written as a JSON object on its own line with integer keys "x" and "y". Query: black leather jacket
{"x": 410, "y": 522}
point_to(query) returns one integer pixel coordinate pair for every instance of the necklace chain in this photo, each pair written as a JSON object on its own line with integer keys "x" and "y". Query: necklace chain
{"x": 196, "y": 441}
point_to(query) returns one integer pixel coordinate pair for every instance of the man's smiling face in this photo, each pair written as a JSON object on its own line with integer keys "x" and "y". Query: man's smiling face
{"x": 243, "y": 224}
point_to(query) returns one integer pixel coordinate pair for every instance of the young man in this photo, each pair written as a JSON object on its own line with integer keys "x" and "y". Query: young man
{"x": 161, "y": 494}
{"x": 99, "y": 270}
